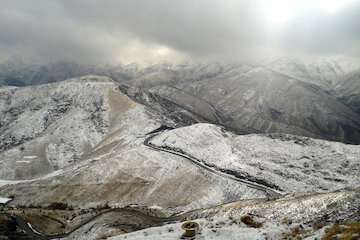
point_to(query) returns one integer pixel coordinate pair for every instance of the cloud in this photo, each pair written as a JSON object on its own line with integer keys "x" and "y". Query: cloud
{"x": 136, "y": 30}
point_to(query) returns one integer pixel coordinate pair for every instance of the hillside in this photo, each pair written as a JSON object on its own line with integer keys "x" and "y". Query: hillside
{"x": 91, "y": 158}
{"x": 348, "y": 91}
{"x": 263, "y": 101}
{"x": 325, "y": 73}
{"x": 47, "y": 127}
{"x": 293, "y": 217}
{"x": 285, "y": 162}
{"x": 116, "y": 167}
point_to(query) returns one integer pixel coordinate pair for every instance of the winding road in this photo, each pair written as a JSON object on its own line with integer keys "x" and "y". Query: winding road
{"x": 270, "y": 192}
{"x": 33, "y": 233}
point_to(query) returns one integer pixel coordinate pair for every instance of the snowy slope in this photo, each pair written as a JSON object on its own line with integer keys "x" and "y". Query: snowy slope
{"x": 324, "y": 72}
{"x": 117, "y": 168}
{"x": 81, "y": 142}
{"x": 348, "y": 91}
{"x": 293, "y": 217}
{"x": 47, "y": 127}
{"x": 16, "y": 72}
{"x": 294, "y": 164}
{"x": 262, "y": 100}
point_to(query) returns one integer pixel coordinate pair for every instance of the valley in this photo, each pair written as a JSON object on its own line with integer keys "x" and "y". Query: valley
{"x": 242, "y": 150}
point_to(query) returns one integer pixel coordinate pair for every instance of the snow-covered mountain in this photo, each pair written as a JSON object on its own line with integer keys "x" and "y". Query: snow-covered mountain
{"x": 326, "y": 72}
{"x": 348, "y": 91}
{"x": 97, "y": 158}
{"x": 286, "y": 162}
{"x": 123, "y": 171}
{"x": 95, "y": 143}
{"x": 44, "y": 128}
{"x": 17, "y": 73}
{"x": 294, "y": 217}
{"x": 262, "y": 100}
{"x": 88, "y": 126}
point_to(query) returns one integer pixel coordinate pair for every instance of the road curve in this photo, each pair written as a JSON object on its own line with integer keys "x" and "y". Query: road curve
{"x": 33, "y": 233}
{"x": 24, "y": 225}
{"x": 270, "y": 192}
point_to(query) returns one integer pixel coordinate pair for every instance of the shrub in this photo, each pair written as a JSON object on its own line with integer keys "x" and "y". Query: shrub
{"x": 249, "y": 221}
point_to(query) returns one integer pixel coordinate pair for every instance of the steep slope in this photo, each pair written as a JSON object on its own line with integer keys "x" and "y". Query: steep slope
{"x": 122, "y": 171}
{"x": 285, "y": 162}
{"x": 170, "y": 75}
{"x": 48, "y": 127}
{"x": 309, "y": 216}
{"x": 262, "y": 100}
{"x": 348, "y": 91}
{"x": 114, "y": 165}
{"x": 113, "y": 151}
{"x": 326, "y": 73}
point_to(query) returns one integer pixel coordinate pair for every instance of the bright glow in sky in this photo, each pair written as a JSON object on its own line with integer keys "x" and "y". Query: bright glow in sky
{"x": 175, "y": 31}
{"x": 279, "y": 12}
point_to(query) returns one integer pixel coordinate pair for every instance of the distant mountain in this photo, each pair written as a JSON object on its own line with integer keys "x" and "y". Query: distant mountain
{"x": 15, "y": 72}
{"x": 348, "y": 91}
{"x": 162, "y": 74}
{"x": 261, "y": 100}
{"x": 317, "y": 99}
{"x": 18, "y": 73}
{"x": 96, "y": 158}
{"x": 66, "y": 141}
{"x": 326, "y": 73}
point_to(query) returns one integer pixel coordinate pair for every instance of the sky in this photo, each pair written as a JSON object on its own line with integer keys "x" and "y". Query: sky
{"x": 148, "y": 31}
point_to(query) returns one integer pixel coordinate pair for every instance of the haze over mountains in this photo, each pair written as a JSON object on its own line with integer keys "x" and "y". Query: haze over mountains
{"x": 285, "y": 95}
{"x": 206, "y": 119}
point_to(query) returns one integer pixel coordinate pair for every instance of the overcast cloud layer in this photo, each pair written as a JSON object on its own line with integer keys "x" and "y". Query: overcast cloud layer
{"x": 111, "y": 31}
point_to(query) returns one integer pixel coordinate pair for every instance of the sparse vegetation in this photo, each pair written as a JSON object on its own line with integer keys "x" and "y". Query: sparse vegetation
{"x": 349, "y": 231}
{"x": 249, "y": 221}
{"x": 59, "y": 206}
{"x": 296, "y": 233}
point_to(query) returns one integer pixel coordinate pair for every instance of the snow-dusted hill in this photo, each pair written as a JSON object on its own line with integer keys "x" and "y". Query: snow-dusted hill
{"x": 171, "y": 75}
{"x": 112, "y": 164}
{"x": 15, "y": 72}
{"x": 294, "y": 217}
{"x": 261, "y": 100}
{"x": 326, "y": 72}
{"x": 348, "y": 91}
{"x": 47, "y": 127}
{"x": 84, "y": 135}
{"x": 292, "y": 163}
{"x": 85, "y": 142}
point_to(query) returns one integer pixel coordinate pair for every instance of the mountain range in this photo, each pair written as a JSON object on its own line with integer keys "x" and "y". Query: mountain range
{"x": 266, "y": 151}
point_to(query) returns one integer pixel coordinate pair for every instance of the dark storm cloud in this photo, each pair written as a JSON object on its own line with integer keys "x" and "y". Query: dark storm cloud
{"x": 43, "y": 31}
{"x": 196, "y": 27}
{"x": 112, "y": 30}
